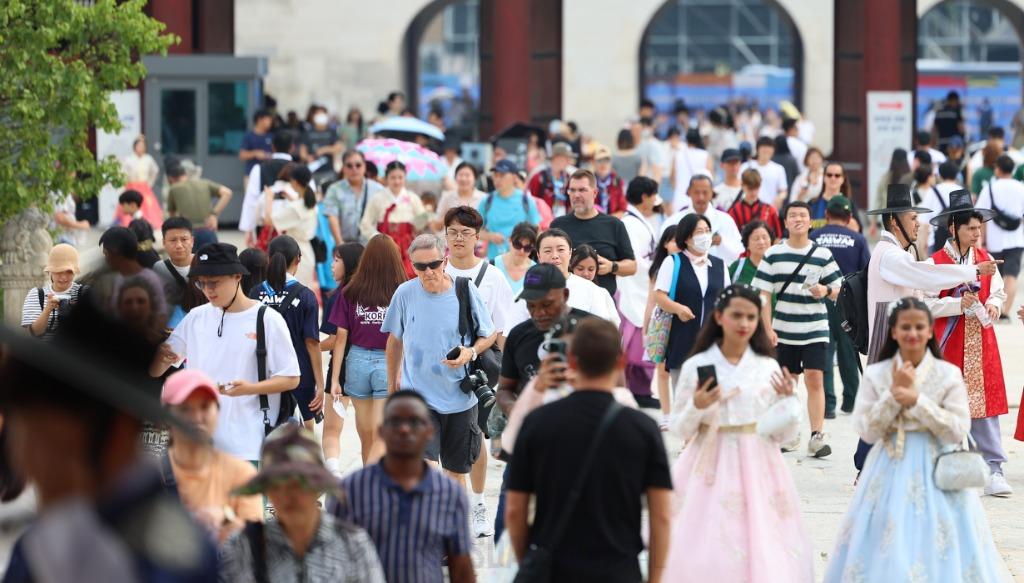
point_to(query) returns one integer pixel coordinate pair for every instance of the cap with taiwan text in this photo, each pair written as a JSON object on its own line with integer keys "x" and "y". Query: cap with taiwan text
{"x": 539, "y": 280}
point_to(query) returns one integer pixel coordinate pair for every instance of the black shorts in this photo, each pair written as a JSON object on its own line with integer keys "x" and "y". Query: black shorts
{"x": 303, "y": 395}
{"x": 1011, "y": 261}
{"x": 457, "y": 439}
{"x": 797, "y": 357}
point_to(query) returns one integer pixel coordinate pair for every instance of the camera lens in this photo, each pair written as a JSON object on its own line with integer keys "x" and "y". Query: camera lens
{"x": 485, "y": 397}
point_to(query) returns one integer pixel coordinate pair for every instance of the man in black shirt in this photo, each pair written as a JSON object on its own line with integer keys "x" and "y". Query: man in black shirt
{"x": 602, "y": 538}
{"x": 545, "y": 295}
{"x": 605, "y": 233}
{"x": 949, "y": 121}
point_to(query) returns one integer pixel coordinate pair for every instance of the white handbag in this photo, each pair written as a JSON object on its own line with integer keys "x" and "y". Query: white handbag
{"x": 785, "y": 412}
{"x": 960, "y": 469}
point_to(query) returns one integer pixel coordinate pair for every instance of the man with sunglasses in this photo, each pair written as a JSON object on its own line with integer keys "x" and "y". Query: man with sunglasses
{"x": 219, "y": 338}
{"x": 345, "y": 200}
{"x": 462, "y": 226}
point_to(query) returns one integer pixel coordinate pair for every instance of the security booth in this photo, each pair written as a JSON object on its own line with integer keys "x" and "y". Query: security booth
{"x": 199, "y": 107}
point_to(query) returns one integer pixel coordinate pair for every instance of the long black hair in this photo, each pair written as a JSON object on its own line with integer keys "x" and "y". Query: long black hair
{"x": 711, "y": 333}
{"x": 256, "y": 261}
{"x": 890, "y": 347}
{"x": 283, "y": 251}
{"x": 301, "y": 175}
{"x": 349, "y": 253}
{"x": 661, "y": 254}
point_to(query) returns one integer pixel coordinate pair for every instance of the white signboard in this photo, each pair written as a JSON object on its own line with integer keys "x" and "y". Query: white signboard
{"x": 119, "y": 145}
{"x": 890, "y": 124}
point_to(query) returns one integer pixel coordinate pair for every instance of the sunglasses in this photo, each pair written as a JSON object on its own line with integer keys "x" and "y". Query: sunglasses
{"x": 528, "y": 248}
{"x": 831, "y": 175}
{"x": 425, "y": 266}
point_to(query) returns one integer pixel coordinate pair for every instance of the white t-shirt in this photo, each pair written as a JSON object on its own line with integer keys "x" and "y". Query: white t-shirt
{"x": 688, "y": 162}
{"x": 773, "y": 180}
{"x": 724, "y": 195}
{"x": 931, "y": 201}
{"x": 494, "y": 290}
{"x": 722, "y": 224}
{"x": 1009, "y": 196}
{"x": 232, "y": 356}
{"x": 798, "y": 149}
{"x": 633, "y": 289}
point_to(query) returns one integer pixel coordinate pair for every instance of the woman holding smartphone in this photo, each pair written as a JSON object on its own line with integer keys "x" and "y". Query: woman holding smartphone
{"x": 732, "y": 485}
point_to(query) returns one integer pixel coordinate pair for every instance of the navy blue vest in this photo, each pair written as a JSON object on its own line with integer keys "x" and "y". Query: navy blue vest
{"x": 683, "y": 334}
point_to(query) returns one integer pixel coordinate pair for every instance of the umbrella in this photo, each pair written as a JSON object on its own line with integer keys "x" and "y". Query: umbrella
{"x": 420, "y": 163}
{"x": 407, "y": 125}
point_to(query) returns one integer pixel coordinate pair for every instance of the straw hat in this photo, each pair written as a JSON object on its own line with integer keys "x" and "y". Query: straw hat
{"x": 63, "y": 257}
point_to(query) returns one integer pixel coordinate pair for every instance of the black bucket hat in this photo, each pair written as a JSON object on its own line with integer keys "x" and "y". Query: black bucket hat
{"x": 899, "y": 200}
{"x": 960, "y": 202}
{"x": 218, "y": 259}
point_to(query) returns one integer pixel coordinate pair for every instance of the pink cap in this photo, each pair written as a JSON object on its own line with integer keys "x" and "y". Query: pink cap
{"x": 179, "y": 386}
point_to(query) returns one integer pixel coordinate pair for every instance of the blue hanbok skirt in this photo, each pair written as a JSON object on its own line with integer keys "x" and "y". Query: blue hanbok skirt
{"x": 901, "y": 527}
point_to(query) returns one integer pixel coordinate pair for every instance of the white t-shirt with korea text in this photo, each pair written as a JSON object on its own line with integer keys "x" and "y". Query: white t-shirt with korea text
{"x": 232, "y": 356}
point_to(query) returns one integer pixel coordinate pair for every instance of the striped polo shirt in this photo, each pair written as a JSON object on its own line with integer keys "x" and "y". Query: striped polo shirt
{"x": 412, "y": 530}
{"x": 799, "y": 318}
{"x": 32, "y": 308}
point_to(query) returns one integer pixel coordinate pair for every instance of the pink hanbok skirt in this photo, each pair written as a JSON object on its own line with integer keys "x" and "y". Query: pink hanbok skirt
{"x": 736, "y": 518}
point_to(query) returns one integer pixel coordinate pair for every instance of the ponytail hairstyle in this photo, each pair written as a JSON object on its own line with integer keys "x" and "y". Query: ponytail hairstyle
{"x": 301, "y": 176}
{"x": 283, "y": 251}
{"x": 711, "y": 332}
{"x": 256, "y": 261}
{"x": 890, "y": 347}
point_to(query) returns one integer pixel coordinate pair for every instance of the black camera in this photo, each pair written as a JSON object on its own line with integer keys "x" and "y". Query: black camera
{"x": 476, "y": 382}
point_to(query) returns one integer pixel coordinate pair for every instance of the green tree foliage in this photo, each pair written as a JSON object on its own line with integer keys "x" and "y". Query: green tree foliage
{"x": 59, "y": 62}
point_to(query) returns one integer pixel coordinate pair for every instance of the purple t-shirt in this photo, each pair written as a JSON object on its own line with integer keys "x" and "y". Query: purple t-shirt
{"x": 362, "y": 322}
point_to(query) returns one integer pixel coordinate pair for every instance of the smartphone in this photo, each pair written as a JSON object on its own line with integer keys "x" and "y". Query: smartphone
{"x": 558, "y": 348}
{"x": 704, "y": 373}
{"x": 454, "y": 353}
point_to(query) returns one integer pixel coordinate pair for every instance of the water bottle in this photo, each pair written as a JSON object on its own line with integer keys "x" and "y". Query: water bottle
{"x": 979, "y": 311}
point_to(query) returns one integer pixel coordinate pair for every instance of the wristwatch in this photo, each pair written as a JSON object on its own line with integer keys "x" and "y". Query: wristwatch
{"x": 615, "y": 267}
{"x": 474, "y": 353}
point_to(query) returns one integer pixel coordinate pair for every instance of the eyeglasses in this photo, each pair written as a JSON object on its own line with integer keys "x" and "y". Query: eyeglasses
{"x": 525, "y": 247}
{"x": 463, "y": 234}
{"x": 208, "y": 284}
{"x": 414, "y": 423}
{"x": 425, "y": 266}
{"x": 831, "y": 175}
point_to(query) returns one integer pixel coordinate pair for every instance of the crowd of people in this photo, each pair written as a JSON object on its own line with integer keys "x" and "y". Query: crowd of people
{"x": 556, "y": 315}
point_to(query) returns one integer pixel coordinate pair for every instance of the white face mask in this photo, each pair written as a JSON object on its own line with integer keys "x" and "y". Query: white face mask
{"x": 320, "y": 119}
{"x": 702, "y": 242}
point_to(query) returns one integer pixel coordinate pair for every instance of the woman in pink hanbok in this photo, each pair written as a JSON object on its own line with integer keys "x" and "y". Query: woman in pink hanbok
{"x": 737, "y": 515}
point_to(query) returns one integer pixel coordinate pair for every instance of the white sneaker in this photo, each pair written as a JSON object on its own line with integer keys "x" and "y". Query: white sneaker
{"x": 816, "y": 446}
{"x": 791, "y": 445}
{"x": 997, "y": 486}
{"x": 481, "y": 526}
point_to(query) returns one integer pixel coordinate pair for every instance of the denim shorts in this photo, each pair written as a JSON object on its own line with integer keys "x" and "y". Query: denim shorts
{"x": 366, "y": 374}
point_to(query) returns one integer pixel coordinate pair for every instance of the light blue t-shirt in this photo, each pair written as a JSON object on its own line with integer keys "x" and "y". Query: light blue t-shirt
{"x": 428, "y": 325}
{"x": 504, "y": 214}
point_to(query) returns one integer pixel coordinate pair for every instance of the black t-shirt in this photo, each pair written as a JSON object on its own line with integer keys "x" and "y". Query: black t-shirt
{"x": 315, "y": 139}
{"x": 604, "y": 233}
{"x": 947, "y": 122}
{"x": 520, "y": 360}
{"x": 602, "y": 539}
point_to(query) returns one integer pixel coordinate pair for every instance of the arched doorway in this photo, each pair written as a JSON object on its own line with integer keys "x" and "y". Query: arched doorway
{"x": 972, "y": 47}
{"x": 710, "y": 52}
{"x": 443, "y": 64}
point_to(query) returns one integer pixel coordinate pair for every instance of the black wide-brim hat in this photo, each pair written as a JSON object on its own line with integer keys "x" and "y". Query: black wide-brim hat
{"x": 899, "y": 200}
{"x": 960, "y": 201}
{"x": 218, "y": 259}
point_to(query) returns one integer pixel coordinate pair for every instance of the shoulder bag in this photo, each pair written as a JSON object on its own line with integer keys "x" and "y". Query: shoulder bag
{"x": 960, "y": 469}
{"x": 536, "y": 565}
{"x": 656, "y": 339}
{"x": 799, "y": 266}
{"x": 1002, "y": 220}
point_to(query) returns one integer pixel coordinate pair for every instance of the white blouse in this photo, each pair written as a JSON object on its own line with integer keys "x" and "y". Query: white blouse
{"x": 748, "y": 382}
{"x": 941, "y": 405}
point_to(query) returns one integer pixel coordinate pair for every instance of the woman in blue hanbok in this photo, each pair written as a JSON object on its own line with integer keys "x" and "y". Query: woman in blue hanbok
{"x": 912, "y": 405}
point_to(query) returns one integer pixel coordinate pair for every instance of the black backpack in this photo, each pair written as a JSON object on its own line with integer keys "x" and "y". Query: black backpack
{"x": 288, "y": 401}
{"x": 941, "y": 230}
{"x": 853, "y": 308}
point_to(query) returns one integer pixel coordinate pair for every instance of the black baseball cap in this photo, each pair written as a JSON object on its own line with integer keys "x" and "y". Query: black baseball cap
{"x": 731, "y": 155}
{"x": 218, "y": 259}
{"x": 539, "y": 280}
